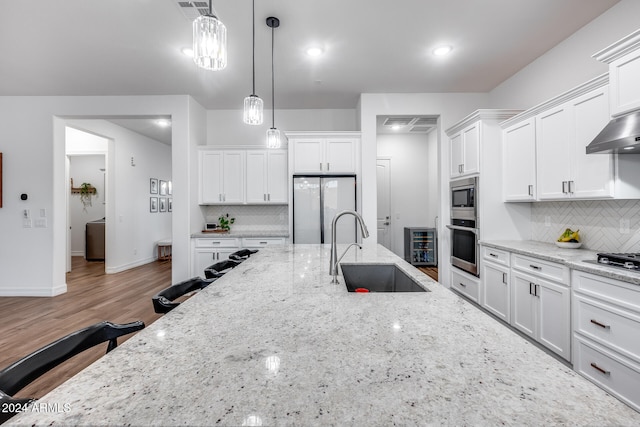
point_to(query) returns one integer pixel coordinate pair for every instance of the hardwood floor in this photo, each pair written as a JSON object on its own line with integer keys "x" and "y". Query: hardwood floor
{"x": 430, "y": 271}
{"x": 28, "y": 323}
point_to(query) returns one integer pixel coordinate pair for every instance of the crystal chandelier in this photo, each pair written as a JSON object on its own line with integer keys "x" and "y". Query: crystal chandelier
{"x": 273, "y": 135}
{"x": 209, "y": 42}
{"x": 253, "y": 105}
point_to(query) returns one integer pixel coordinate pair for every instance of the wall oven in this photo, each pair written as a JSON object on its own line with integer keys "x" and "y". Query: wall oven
{"x": 463, "y": 226}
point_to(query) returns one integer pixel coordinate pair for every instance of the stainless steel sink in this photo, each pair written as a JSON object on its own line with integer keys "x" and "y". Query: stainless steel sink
{"x": 378, "y": 278}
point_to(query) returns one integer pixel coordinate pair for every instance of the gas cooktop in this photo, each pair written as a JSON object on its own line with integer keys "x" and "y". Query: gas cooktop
{"x": 628, "y": 261}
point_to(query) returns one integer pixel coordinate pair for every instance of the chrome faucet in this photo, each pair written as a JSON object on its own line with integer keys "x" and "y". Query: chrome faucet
{"x": 333, "y": 263}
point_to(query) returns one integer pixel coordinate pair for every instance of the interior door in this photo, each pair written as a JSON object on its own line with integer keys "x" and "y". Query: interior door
{"x": 384, "y": 202}
{"x": 67, "y": 192}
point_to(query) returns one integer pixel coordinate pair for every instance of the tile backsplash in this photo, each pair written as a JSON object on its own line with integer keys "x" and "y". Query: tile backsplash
{"x": 251, "y": 218}
{"x": 605, "y": 225}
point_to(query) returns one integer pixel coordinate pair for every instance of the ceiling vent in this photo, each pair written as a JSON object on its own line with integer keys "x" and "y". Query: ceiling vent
{"x": 421, "y": 129}
{"x": 397, "y": 121}
{"x": 192, "y": 9}
{"x": 425, "y": 121}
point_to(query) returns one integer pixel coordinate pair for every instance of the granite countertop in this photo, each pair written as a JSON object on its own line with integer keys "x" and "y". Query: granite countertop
{"x": 244, "y": 233}
{"x": 572, "y": 258}
{"x": 274, "y": 342}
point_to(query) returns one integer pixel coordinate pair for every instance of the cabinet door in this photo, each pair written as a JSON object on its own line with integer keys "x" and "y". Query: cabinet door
{"x": 496, "y": 295}
{"x": 554, "y": 330}
{"x": 308, "y": 155}
{"x": 340, "y": 155}
{"x": 455, "y": 156}
{"x": 625, "y": 85}
{"x": 519, "y": 160}
{"x": 210, "y": 173}
{"x": 523, "y": 313}
{"x": 257, "y": 177}
{"x": 592, "y": 175}
{"x": 203, "y": 258}
{"x": 277, "y": 177}
{"x": 471, "y": 149}
{"x": 553, "y": 153}
{"x": 233, "y": 177}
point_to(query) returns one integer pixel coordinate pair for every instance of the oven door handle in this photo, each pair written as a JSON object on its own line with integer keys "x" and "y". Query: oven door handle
{"x": 460, "y": 228}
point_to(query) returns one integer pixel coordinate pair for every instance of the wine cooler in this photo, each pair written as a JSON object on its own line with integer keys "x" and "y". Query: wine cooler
{"x": 420, "y": 246}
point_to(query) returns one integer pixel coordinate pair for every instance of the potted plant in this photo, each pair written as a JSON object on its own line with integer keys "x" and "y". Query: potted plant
{"x": 224, "y": 222}
{"x": 86, "y": 191}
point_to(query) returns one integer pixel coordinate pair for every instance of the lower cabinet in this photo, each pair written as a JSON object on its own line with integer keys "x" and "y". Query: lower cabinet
{"x": 606, "y": 321}
{"x": 207, "y": 251}
{"x": 496, "y": 290}
{"x": 465, "y": 284}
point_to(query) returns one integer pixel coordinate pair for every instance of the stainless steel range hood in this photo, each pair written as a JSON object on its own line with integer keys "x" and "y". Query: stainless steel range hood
{"x": 621, "y": 135}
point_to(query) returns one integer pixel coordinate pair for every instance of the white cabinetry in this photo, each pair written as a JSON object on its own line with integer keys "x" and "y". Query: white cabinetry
{"x": 495, "y": 275}
{"x": 465, "y": 151}
{"x": 519, "y": 151}
{"x": 266, "y": 177}
{"x": 623, "y": 58}
{"x": 465, "y": 284}
{"x": 564, "y": 170}
{"x": 324, "y": 152}
{"x": 541, "y": 302}
{"x": 606, "y": 321}
{"x": 222, "y": 176}
{"x": 207, "y": 251}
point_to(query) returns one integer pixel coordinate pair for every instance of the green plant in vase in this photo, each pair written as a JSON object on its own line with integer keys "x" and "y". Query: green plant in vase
{"x": 225, "y": 222}
{"x": 86, "y": 191}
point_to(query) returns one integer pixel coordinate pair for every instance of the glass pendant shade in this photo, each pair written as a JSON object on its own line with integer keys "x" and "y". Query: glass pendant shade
{"x": 253, "y": 110}
{"x": 209, "y": 43}
{"x": 273, "y": 138}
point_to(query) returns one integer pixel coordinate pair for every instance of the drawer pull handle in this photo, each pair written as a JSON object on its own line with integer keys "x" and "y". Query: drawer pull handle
{"x": 535, "y": 267}
{"x": 463, "y": 285}
{"x": 215, "y": 243}
{"x": 504, "y": 278}
{"x": 263, "y": 243}
{"x": 599, "y": 369}
{"x": 595, "y": 322}
{"x": 493, "y": 255}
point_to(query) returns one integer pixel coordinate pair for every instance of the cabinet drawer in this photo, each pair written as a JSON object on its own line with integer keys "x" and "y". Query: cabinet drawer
{"x": 258, "y": 242}
{"x": 614, "y": 374}
{"x": 495, "y": 255}
{"x": 541, "y": 268}
{"x": 612, "y": 291}
{"x": 608, "y": 325}
{"x": 217, "y": 243}
{"x": 465, "y": 285}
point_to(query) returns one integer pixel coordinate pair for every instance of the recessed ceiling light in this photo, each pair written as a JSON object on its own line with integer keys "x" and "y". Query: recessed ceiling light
{"x": 629, "y": 148}
{"x": 187, "y": 51}
{"x": 396, "y": 127}
{"x": 314, "y": 51}
{"x": 163, "y": 123}
{"x": 442, "y": 50}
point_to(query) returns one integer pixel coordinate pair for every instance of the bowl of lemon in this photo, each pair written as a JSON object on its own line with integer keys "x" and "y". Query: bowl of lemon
{"x": 569, "y": 239}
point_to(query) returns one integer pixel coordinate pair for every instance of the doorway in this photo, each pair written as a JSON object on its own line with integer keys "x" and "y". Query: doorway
{"x": 383, "y": 180}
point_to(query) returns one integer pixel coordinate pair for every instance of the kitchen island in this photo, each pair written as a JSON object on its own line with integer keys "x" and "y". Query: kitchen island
{"x": 274, "y": 342}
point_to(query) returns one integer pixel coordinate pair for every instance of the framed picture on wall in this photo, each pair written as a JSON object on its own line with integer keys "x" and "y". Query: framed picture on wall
{"x": 153, "y": 204}
{"x": 169, "y": 188}
{"x": 163, "y": 188}
{"x": 153, "y": 185}
{"x": 169, "y": 204}
{"x": 163, "y": 204}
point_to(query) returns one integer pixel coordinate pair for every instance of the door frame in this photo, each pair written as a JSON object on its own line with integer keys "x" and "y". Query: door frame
{"x": 390, "y": 228}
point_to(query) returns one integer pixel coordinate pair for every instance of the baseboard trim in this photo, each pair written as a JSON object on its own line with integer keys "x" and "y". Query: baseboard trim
{"x": 124, "y": 267}
{"x": 33, "y": 292}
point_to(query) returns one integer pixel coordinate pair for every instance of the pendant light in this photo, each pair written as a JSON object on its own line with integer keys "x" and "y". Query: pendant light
{"x": 253, "y": 105}
{"x": 209, "y": 42}
{"x": 273, "y": 134}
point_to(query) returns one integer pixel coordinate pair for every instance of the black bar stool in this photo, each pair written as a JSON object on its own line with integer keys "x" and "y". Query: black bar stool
{"x": 220, "y": 268}
{"x": 163, "y": 300}
{"x": 242, "y": 254}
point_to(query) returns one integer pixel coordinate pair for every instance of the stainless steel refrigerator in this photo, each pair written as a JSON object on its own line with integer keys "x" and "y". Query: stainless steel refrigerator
{"x": 316, "y": 200}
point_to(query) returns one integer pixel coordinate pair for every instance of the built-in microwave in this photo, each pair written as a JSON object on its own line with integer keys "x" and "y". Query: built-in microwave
{"x": 463, "y": 225}
{"x": 464, "y": 194}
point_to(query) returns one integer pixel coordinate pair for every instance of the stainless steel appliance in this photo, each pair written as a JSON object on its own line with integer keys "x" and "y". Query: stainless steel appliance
{"x": 626, "y": 261}
{"x": 621, "y": 135}
{"x": 316, "y": 200}
{"x": 464, "y": 220}
{"x": 94, "y": 240}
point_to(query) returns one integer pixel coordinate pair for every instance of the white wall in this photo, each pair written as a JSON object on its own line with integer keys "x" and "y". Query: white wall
{"x": 414, "y": 177}
{"x": 32, "y": 140}
{"x": 568, "y": 64}
{"x": 133, "y": 231}
{"x": 225, "y": 127}
{"x": 450, "y": 107}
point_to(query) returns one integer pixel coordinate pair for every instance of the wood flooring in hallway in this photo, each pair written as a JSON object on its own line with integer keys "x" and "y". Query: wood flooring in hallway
{"x": 28, "y": 323}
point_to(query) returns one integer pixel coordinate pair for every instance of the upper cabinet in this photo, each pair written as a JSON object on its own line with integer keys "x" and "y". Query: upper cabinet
{"x": 266, "y": 177}
{"x": 324, "y": 152}
{"x": 519, "y": 167}
{"x": 242, "y": 177}
{"x": 221, "y": 177}
{"x": 464, "y": 152}
{"x": 545, "y": 151}
{"x": 623, "y": 58}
